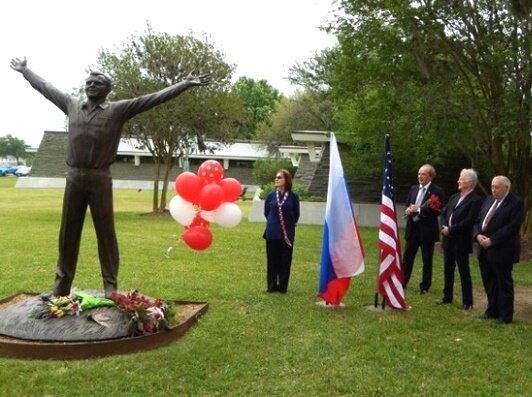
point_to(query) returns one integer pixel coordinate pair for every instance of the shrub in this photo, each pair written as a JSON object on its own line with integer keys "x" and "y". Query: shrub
{"x": 264, "y": 169}
{"x": 297, "y": 188}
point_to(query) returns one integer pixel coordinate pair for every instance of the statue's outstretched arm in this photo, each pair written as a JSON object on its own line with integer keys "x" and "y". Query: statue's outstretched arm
{"x": 18, "y": 64}
{"x": 202, "y": 79}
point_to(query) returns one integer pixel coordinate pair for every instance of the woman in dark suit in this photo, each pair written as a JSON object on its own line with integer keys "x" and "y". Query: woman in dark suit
{"x": 457, "y": 220}
{"x": 281, "y": 209}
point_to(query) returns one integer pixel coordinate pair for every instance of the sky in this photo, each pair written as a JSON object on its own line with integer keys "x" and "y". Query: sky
{"x": 61, "y": 40}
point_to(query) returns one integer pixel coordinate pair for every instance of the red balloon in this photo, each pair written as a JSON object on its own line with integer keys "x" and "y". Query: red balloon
{"x": 232, "y": 189}
{"x": 199, "y": 221}
{"x": 198, "y": 238}
{"x": 210, "y": 197}
{"x": 188, "y": 186}
{"x": 211, "y": 171}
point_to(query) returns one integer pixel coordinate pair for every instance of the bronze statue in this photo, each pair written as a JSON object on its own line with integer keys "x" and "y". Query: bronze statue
{"x": 94, "y": 132}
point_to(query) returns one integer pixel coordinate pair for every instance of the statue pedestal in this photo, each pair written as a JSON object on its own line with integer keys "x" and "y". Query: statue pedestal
{"x": 78, "y": 337}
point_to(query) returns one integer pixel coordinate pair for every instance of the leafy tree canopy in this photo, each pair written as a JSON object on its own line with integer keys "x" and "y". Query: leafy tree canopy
{"x": 305, "y": 110}
{"x": 447, "y": 79}
{"x": 156, "y": 60}
{"x": 260, "y": 100}
{"x": 11, "y": 146}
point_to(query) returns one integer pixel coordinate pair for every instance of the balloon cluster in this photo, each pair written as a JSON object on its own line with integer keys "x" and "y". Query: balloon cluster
{"x": 204, "y": 198}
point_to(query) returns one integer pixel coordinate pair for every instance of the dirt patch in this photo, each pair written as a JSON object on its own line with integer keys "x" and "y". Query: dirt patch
{"x": 187, "y": 310}
{"x": 526, "y": 250}
{"x": 14, "y": 300}
{"x": 522, "y": 301}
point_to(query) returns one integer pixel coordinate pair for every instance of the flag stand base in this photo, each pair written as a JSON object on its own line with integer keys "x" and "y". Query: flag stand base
{"x": 328, "y": 306}
{"x": 374, "y": 309}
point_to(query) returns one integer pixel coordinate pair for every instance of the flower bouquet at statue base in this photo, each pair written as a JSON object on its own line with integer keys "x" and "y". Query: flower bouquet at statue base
{"x": 146, "y": 315}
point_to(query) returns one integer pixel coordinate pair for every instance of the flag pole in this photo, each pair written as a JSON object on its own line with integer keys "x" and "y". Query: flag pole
{"x": 389, "y": 280}
{"x": 376, "y": 298}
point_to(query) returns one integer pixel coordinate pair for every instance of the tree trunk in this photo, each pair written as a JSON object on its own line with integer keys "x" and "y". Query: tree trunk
{"x": 156, "y": 177}
{"x": 169, "y": 162}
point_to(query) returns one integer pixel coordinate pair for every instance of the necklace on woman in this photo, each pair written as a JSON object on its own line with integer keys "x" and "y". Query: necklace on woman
{"x": 281, "y": 217}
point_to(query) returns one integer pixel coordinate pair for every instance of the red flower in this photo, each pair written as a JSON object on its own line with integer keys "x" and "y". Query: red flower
{"x": 433, "y": 202}
{"x": 147, "y": 316}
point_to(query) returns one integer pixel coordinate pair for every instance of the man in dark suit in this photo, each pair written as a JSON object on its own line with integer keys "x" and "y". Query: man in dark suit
{"x": 457, "y": 220}
{"x": 423, "y": 207}
{"x": 497, "y": 233}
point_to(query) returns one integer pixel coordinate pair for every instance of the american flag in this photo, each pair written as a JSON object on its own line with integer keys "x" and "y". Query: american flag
{"x": 390, "y": 271}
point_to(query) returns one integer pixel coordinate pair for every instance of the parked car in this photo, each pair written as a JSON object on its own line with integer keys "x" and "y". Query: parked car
{"x": 22, "y": 170}
{"x": 8, "y": 169}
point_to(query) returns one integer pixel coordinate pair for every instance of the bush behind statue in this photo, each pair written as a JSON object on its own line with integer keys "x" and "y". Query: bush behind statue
{"x": 264, "y": 169}
{"x": 297, "y": 188}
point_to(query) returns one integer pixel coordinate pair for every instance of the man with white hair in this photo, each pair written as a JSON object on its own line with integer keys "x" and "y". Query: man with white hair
{"x": 497, "y": 234}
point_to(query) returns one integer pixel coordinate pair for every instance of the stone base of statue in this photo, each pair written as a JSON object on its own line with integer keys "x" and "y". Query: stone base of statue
{"x": 97, "y": 332}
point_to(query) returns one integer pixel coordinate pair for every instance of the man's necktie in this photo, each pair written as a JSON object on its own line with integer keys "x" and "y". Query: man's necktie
{"x": 419, "y": 199}
{"x": 489, "y": 215}
{"x": 420, "y": 194}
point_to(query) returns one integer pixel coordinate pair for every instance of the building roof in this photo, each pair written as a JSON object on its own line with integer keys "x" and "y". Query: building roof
{"x": 238, "y": 150}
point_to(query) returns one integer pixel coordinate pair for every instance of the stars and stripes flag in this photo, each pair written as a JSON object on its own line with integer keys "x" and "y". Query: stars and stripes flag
{"x": 390, "y": 282}
{"x": 342, "y": 254}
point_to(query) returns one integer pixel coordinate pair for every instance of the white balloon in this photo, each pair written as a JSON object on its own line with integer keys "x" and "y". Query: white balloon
{"x": 228, "y": 215}
{"x": 181, "y": 210}
{"x": 207, "y": 215}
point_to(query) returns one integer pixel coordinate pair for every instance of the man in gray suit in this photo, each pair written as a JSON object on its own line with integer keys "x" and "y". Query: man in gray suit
{"x": 497, "y": 234}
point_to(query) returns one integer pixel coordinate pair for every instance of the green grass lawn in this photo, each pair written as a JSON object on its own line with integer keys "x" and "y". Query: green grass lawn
{"x": 250, "y": 343}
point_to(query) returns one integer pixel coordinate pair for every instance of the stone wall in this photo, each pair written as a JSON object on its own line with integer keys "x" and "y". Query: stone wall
{"x": 50, "y": 159}
{"x": 320, "y": 179}
{"x": 305, "y": 173}
{"x": 315, "y": 176}
{"x": 50, "y": 162}
{"x": 366, "y": 214}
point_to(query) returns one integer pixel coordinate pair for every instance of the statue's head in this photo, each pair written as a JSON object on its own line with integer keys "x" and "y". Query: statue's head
{"x": 97, "y": 86}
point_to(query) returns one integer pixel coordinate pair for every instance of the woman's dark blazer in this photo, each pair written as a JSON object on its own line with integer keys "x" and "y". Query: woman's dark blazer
{"x": 463, "y": 219}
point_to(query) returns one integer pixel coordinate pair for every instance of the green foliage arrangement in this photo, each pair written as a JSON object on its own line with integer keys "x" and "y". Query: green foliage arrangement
{"x": 264, "y": 169}
{"x": 297, "y": 188}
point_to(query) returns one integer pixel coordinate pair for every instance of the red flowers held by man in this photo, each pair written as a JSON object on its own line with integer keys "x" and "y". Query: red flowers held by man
{"x": 433, "y": 202}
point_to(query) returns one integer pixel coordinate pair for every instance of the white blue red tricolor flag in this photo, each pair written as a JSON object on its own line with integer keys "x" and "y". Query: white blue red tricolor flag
{"x": 342, "y": 254}
{"x": 390, "y": 282}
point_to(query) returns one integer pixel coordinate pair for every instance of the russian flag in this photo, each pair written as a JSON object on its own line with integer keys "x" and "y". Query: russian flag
{"x": 342, "y": 254}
